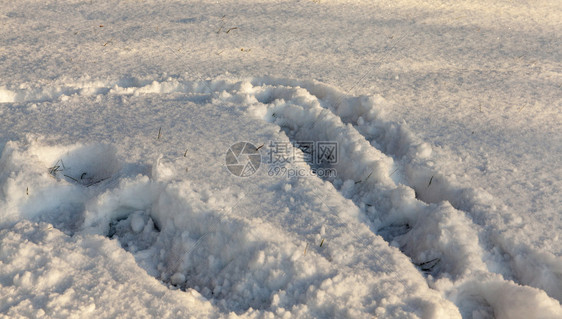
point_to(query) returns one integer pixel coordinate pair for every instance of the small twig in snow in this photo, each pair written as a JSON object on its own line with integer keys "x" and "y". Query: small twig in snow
{"x": 364, "y": 180}
{"x": 430, "y": 180}
{"x": 72, "y": 178}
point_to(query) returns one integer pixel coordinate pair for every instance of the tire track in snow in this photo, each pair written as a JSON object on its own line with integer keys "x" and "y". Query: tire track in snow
{"x": 183, "y": 236}
{"x": 411, "y": 157}
{"x": 441, "y": 239}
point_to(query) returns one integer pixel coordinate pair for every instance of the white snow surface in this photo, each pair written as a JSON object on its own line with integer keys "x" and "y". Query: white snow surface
{"x": 116, "y": 199}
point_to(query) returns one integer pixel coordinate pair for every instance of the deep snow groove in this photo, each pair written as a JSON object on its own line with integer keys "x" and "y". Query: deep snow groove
{"x": 363, "y": 176}
{"x": 196, "y": 247}
{"x": 175, "y": 232}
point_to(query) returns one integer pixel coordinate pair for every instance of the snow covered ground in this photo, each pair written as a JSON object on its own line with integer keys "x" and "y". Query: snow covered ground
{"x": 121, "y": 122}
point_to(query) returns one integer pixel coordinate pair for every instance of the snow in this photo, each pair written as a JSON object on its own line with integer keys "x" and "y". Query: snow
{"x": 46, "y": 273}
{"x": 120, "y": 122}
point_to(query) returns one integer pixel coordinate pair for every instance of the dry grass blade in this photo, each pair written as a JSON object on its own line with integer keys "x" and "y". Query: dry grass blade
{"x": 430, "y": 180}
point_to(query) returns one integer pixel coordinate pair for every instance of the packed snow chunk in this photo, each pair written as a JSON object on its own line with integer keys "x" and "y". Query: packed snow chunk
{"x": 162, "y": 169}
{"x": 114, "y": 206}
{"x": 177, "y": 279}
{"x": 7, "y": 96}
{"x": 137, "y": 222}
{"x": 136, "y": 232}
{"x": 422, "y": 151}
